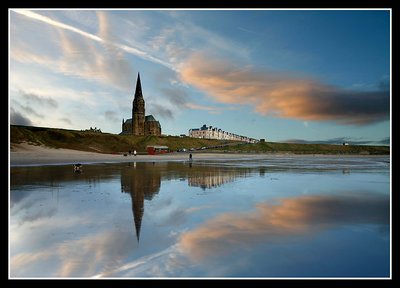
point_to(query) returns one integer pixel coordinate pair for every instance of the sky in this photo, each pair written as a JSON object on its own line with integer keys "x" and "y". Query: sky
{"x": 308, "y": 76}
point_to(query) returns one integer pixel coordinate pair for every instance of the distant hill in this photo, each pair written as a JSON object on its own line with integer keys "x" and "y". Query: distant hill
{"x": 112, "y": 143}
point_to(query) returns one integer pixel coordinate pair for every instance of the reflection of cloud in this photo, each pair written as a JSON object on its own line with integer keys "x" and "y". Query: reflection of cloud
{"x": 21, "y": 261}
{"x": 284, "y": 95}
{"x": 293, "y": 216}
{"x": 180, "y": 215}
{"x": 39, "y": 215}
{"x": 140, "y": 266}
{"x": 108, "y": 248}
{"x": 80, "y": 257}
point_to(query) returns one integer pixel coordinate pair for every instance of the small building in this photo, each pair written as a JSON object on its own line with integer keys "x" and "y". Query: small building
{"x": 156, "y": 149}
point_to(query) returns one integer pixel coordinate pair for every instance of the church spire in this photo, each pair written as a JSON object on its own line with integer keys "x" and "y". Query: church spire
{"x": 138, "y": 92}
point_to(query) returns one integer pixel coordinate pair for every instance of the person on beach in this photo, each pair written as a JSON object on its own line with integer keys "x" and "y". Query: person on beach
{"x": 190, "y": 157}
{"x": 134, "y": 152}
{"x": 130, "y": 152}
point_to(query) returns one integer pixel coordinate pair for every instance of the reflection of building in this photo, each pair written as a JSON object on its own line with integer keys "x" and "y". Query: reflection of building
{"x": 142, "y": 182}
{"x": 212, "y": 178}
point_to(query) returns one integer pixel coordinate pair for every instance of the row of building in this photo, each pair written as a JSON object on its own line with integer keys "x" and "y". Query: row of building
{"x": 210, "y": 132}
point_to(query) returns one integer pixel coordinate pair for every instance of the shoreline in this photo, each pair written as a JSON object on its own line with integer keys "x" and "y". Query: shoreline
{"x": 25, "y": 155}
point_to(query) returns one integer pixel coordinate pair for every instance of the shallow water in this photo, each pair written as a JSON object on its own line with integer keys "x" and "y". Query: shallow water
{"x": 279, "y": 217}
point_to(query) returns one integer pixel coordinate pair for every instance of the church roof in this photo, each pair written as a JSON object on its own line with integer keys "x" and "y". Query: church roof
{"x": 128, "y": 120}
{"x": 149, "y": 118}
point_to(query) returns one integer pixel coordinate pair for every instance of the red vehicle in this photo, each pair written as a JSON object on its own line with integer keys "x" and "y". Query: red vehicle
{"x": 155, "y": 149}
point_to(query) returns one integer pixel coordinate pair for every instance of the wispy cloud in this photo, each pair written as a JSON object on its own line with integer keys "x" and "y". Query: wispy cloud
{"x": 247, "y": 30}
{"x": 179, "y": 98}
{"x": 33, "y": 98}
{"x": 58, "y": 24}
{"x": 81, "y": 57}
{"x": 210, "y": 109}
{"x": 100, "y": 58}
{"x": 111, "y": 115}
{"x": 28, "y": 109}
{"x": 284, "y": 95}
{"x": 161, "y": 110}
{"x": 66, "y": 120}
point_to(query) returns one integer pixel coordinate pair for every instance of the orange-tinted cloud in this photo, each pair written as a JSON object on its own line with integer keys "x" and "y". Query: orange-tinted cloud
{"x": 284, "y": 95}
{"x": 291, "y": 217}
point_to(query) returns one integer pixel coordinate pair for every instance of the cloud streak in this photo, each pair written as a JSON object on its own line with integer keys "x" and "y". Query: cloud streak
{"x": 31, "y": 97}
{"x": 58, "y": 24}
{"x": 283, "y": 95}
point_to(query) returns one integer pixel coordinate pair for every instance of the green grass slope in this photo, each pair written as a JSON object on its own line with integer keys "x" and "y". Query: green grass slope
{"x": 100, "y": 142}
{"x": 271, "y": 147}
{"x": 112, "y": 143}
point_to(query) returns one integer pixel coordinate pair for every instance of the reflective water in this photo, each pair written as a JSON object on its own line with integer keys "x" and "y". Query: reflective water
{"x": 280, "y": 217}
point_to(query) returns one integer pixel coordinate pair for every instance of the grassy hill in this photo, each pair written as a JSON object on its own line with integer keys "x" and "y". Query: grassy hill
{"x": 101, "y": 142}
{"x": 112, "y": 143}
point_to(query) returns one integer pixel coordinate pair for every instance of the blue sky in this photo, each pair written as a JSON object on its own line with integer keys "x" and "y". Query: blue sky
{"x": 283, "y": 75}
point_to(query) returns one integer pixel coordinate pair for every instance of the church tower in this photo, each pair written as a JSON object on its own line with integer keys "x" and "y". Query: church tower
{"x": 138, "y": 113}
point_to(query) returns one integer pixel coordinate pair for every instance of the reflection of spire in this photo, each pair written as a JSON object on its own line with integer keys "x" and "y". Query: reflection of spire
{"x": 141, "y": 183}
{"x": 138, "y": 210}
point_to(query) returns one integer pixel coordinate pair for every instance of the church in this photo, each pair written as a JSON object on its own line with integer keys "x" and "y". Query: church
{"x": 140, "y": 124}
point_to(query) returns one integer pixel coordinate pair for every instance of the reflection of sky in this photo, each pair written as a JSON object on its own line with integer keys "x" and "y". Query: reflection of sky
{"x": 270, "y": 224}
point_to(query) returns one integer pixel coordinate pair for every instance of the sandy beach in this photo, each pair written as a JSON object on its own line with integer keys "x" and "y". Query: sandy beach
{"x": 28, "y": 155}
{"x": 31, "y": 155}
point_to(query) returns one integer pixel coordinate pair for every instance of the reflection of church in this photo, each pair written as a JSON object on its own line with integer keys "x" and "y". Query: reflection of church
{"x": 141, "y": 182}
